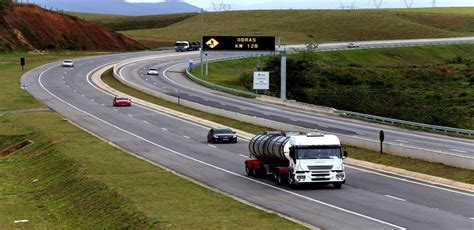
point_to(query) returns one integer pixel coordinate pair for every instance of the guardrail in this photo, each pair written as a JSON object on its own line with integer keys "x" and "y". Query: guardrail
{"x": 407, "y": 123}
{"x": 220, "y": 87}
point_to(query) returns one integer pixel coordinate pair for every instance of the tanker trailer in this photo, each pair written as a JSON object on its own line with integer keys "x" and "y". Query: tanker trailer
{"x": 296, "y": 158}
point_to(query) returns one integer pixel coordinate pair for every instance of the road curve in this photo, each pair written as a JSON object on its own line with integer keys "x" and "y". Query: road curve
{"x": 369, "y": 200}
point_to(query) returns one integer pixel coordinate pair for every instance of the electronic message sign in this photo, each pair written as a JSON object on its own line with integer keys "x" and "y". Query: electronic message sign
{"x": 238, "y": 43}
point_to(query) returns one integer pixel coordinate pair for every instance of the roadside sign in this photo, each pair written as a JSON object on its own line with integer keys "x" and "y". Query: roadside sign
{"x": 382, "y": 138}
{"x": 261, "y": 80}
{"x": 22, "y": 63}
{"x": 238, "y": 43}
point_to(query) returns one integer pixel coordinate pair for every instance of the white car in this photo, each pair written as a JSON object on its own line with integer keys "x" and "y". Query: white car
{"x": 152, "y": 71}
{"x": 68, "y": 63}
{"x": 352, "y": 45}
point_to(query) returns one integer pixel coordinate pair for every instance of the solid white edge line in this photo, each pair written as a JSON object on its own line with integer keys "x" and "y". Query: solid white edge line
{"x": 429, "y": 184}
{"x": 457, "y": 150}
{"x": 396, "y": 198}
{"x": 213, "y": 166}
{"x": 213, "y": 146}
{"x": 242, "y": 155}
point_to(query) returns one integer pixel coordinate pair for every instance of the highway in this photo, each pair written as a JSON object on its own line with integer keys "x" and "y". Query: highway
{"x": 369, "y": 200}
{"x": 172, "y": 82}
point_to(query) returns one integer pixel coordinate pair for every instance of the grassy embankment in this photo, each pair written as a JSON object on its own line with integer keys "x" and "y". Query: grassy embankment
{"x": 410, "y": 164}
{"x": 430, "y": 84}
{"x": 83, "y": 182}
{"x": 305, "y": 26}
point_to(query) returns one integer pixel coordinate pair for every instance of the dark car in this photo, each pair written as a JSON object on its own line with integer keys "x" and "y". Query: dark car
{"x": 217, "y": 135}
{"x": 122, "y": 101}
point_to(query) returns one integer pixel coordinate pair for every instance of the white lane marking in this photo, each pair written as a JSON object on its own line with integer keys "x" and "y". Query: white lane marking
{"x": 457, "y": 150}
{"x": 164, "y": 87}
{"x": 63, "y": 77}
{"x": 190, "y": 95}
{"x": 242, "y": 155}
{"x": 103, "y": 104}
{"x": 116, "y": 110}
{"x": 65, "y": 72}
{"x": 206, "y": 99}
{"x": 139, "y": 105}
{"x": 213, "y": 146}
{"x": 428, "y": 184}
{"x": 154, "y": 83}
{"x": 146, "y": 122}
{"x": 64, "y": 82}
{"x": 83, "y": 95}
{"x": 75, "y": 91}
{"x": 214, "y": 166}
{"x": 403, "y": 141}
{"x": 68, "y": 86}
{"x": 146, "y": 79}
{"x": 130, "y": 115}
{"x": 472, "y": 218}
{"x": 324, "y": 126}
{"x": 187, "y": 137}
{"x": 92, "y": 99}
{"x": 242, "y": 108}
{"x": 165, "y": 129}
{"x": 291, "y": 119}
{"x": 291, "y": 113}
{"x": 396, "y": 198}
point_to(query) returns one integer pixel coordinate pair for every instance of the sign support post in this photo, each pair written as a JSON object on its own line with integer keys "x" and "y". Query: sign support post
{"x": 283, "y": 75}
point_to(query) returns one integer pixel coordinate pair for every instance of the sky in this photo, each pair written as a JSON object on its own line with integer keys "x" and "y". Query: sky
{"x": 319, "y": 4}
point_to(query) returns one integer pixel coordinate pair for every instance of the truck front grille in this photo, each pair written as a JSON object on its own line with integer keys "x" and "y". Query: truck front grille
{"x": 319, "y": 167}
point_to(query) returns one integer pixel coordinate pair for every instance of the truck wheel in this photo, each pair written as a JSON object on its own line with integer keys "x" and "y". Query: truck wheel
{"x": 248, "y": 171}
{"x": 337, "y": 185}
{"x": 255, "y": 172}
{"x": 279, "y": 179}
{"x": 291, "y": 181}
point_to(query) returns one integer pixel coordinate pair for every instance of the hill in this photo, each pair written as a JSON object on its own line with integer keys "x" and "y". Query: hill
{"x": 303, "y": 26}
{"x": 122, "y": 22}
{"x": 118, "y": 6}
{"x": 28, "y": 27}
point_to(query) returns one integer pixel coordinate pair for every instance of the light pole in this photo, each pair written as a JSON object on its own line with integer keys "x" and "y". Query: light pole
{"x": 202, "y": 42}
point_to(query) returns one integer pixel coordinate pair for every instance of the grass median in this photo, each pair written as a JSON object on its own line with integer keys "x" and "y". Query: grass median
{"x": 70, "y": 179}
{"x": 415, "y": 165}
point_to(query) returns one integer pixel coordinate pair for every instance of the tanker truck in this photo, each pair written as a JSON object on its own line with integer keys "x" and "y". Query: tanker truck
{"x": 296, "y": 158}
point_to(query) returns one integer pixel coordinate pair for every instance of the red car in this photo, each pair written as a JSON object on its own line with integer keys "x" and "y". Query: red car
{"x": 122, "y": 101}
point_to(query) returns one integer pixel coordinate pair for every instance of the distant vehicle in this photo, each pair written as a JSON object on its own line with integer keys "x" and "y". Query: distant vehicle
{"x": 296, "y": 158}
{"x": 216, "y": 135}
{"x": 152, "y": 71}
{"x": 352, "y": 45}
{"x": 122, "y": 101}
{"x": 68, "y": 63}
{"x": 182, "y": 46}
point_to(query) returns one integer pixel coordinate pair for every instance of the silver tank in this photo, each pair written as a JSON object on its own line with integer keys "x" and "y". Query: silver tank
{"x": 269, "y": 146}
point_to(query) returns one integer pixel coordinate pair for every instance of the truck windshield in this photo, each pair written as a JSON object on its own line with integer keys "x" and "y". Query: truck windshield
{"x": 329, "y": 152}
{"x": 180, "y": 44}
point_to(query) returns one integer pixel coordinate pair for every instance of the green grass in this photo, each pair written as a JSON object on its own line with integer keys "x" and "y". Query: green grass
{"x": 428, "y": 84}
{"x": 84, "y": 182}
{"x": 304, "y": 26}
{"x": 121, "y": 22}
{"x": 439, "y": 10}
{"x": 435, "y": 169}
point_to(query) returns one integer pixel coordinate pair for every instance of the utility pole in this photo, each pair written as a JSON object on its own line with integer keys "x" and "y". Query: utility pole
{"x": 202, "y": 42}
{"x": 283, "y": 75}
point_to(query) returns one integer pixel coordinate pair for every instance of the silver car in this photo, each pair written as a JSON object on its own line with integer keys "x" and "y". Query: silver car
{"x": 152, "y": 71}
{"x": 68, "y": 63}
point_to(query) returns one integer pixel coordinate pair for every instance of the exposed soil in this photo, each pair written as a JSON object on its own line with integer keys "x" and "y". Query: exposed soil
{"x": 15, "y": 148}
{"x": 28, "y": 27}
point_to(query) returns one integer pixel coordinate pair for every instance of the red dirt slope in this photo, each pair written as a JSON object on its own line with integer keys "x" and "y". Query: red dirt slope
{"x": 31, "y": 27}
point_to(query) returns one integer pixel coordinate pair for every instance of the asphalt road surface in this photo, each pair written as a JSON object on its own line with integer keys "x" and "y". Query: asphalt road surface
{"x": 369, "y": 200}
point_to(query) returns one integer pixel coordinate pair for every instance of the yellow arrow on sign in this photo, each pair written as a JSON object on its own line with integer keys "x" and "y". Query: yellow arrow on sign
{"x": 212, "y": 43}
